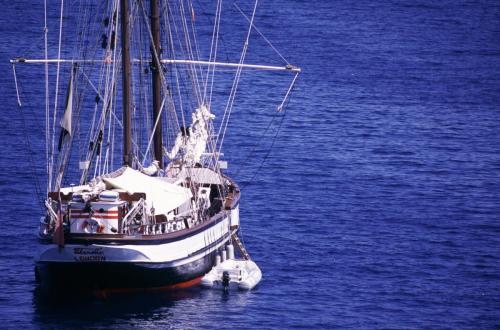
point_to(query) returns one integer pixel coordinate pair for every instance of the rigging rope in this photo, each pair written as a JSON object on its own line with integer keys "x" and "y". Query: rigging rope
{"x": 28, "y": 143}
{"x": 232, "y": 95}
{"x": 189, "y": 51}
{"x": 168, "y": 96}
{"x": 154, "y": 129}
{"x": 279, "y": 109}
{"x": 262, "y": 35}
{"x": 15, "y": 82}
{"x": 268, "y": 151}
{"x": 47, "y": 100}
{"x": 217, "y": 22}
{"x": 288, "y": 92}
{"x": 282, "y": 109}
{"x": 108, "y": 76}
{"x": 170, "y": 21}
{"x": 56, "y": 96}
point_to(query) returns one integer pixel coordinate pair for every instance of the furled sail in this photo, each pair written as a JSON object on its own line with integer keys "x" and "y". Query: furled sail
{"x": 66, "y": 119}
{"x": 192, "y": 142}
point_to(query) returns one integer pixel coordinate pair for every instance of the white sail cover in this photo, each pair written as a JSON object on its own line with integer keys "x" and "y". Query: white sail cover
{"x": 161, "y": 195}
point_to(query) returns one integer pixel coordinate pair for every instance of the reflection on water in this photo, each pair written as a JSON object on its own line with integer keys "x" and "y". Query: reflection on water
{"x": 191, "y": 308}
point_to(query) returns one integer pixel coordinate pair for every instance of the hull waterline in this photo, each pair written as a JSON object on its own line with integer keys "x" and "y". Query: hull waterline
{"x": 122, "y": 276}
{"x": 175, "y": 264}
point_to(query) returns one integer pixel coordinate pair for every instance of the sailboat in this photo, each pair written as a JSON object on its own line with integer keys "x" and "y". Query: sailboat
{"x": 153, "y": 207}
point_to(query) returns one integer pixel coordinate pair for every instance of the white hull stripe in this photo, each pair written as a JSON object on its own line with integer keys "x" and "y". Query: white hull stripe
{"x": 168, "y": 254}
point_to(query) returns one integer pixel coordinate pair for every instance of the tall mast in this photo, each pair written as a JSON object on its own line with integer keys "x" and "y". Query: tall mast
{"x": 126, "y": 87}
{"x": 155, "y": 67}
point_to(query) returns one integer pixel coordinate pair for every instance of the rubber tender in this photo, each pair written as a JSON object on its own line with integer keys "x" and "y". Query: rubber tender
{"x": 232, "y": 274}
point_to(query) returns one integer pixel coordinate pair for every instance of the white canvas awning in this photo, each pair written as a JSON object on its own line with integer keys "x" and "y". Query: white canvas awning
{"x": 200, "y": 175}
{"x": 161, "y": 195}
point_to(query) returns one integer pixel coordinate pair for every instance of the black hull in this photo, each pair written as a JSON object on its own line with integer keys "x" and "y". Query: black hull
{"x": 121, "y": 276}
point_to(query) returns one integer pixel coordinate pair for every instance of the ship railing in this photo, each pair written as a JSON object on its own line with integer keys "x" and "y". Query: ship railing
{"x": 51, "y": 212}
{"x": 132, "y": 213}
{"x": 48, "y": 222}
{"x": 159, "y": 228}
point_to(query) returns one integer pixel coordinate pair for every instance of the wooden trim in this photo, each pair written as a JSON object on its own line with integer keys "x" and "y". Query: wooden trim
{"x": 54, "y": 195}
{"x": 124, "y": 196}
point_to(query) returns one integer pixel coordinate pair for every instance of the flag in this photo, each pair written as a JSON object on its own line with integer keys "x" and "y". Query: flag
{"x": 66, "y": 119}
{"x": 193, "y": 16}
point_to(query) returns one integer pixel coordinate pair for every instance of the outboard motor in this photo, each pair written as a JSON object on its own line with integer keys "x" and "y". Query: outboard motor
{"x": 225, "y": 279}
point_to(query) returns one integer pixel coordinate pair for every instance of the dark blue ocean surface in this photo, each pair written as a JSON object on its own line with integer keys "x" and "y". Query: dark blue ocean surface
{"x": 378, "y": 207}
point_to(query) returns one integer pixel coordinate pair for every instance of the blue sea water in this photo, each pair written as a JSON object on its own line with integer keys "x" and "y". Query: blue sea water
{"x": 378, "y": 206}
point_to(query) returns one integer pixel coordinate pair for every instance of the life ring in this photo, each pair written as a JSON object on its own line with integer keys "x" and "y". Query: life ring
{"x": 92, "y": 226}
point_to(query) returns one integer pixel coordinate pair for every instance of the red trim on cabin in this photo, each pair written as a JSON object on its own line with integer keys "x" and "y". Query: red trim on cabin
{"x": 99, "y": 217}
{"x": 106, "y": 215}
{"x": 95, "y": 212}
